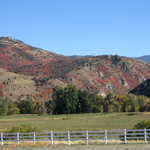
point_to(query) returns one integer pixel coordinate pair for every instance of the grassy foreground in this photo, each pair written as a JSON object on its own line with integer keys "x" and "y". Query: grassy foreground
{"x": 75, "y": 122}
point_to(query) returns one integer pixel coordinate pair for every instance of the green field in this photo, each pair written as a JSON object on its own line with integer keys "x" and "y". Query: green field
{"x": 75, "y": 122}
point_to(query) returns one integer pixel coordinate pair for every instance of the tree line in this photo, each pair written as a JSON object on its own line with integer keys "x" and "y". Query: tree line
{"x": 70, "y": 100}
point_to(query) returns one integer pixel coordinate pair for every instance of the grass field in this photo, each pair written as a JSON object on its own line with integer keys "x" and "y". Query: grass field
{"x": 75, "y": 122}
{"x": 79, "y": 147}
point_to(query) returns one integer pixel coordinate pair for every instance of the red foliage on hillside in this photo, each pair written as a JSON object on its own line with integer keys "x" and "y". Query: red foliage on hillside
{"x": 101, "y": 74}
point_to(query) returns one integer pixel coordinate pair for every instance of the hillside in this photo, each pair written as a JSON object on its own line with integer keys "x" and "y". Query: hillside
{"x": 142, "y": 89}
{"x": 19, "y": 57}
{"x": 46, "y": 70}
{"x": 15, "y": 86}
{"x": 104, "y": 74}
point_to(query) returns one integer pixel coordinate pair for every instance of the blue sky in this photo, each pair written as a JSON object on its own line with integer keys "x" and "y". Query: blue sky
{"x": 79, "y": 27}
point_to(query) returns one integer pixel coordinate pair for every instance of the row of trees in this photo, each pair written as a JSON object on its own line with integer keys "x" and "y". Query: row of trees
{"x": 7, "y": 107}
{"x": 69, "y": 100}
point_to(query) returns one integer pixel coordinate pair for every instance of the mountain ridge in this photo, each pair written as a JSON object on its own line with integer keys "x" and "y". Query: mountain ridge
{"x": 145, "y": 58}
{"x": 99, "y": 74}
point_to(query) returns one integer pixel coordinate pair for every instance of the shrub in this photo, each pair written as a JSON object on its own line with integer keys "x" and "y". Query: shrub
{"x": 26, "y": 131}
{"x": 24, "y": 128}
{"x": 145, "y": 124}
{"x": 135, "y": 135}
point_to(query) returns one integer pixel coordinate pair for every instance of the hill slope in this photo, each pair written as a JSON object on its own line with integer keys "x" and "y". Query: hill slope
{"x": 103, "y": 74}
{"x": 100, "y": 74}
{"x": 142, "y": 89}
{"x": 14, "y": 86}
{"x": 19, "y": 57}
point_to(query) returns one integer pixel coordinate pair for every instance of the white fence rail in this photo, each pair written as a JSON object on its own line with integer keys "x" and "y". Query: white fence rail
{"x": 71, "y": 137}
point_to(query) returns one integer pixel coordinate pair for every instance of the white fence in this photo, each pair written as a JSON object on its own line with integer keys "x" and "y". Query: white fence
{"x": 76, "y": 137}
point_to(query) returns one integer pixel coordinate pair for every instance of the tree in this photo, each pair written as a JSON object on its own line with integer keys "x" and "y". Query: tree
{"x": 8, "y": 107}
{"x": 50, "y": 106}
{"x": 94, "y": 103}
{"x": 66, "y": 100}
{"x": 142, "y": 100}
{"x": 107, "y": 102}
{"x": 3, "y": 106}
{"x": 83, "y": 102}
{"x": 40, "y": 107}
{"x": 133, "y": 105}
{"x": 12, "y": 108}
{"x": 26, "y": 106}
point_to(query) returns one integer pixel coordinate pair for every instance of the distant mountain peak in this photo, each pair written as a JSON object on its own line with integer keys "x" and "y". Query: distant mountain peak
{"x": 145, "y": 58}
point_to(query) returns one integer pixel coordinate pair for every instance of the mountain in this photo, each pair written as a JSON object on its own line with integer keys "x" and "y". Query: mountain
{"x": 104, "y": 74}
{"x": 79, "y": 56}
{"x": 46, "y": 70}
{"x": 19, "y": 57}
{"x": 142, "y": 89}
{"x": 145, "y": 58}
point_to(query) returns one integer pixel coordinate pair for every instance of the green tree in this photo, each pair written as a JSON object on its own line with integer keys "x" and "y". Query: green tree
{"x": 50, "y": 106}
{"x": 3, "y": 106}
{"x": 108, "y": 102}
{"x": 94, "y": 103}
{"x": 66, "y": 100}
{"x": 12, "y": 108}
{"x": 83, "y": 103}
{"x": 26, "y": 106}
{"x": 142, "y": 100}
{"x": 8, "y": 107}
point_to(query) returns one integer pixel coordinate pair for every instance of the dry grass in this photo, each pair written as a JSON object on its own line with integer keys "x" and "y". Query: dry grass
{"x": 75, "y": 122}
{"x": 78, "y": 147}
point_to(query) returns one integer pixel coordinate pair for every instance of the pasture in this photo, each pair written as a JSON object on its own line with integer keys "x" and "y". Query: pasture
{"x": 75, "y": 121}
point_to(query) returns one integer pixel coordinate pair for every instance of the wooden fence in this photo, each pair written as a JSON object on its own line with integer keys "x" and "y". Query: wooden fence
{"x": 76, "y": 137}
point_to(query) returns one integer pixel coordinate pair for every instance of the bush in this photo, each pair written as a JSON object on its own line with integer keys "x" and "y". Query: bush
{"x": 24, "y": 128}
{"x": 145, "y": 124}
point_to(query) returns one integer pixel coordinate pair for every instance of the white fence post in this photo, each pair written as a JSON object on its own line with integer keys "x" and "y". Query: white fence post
{"x": 125, "y": 136}
{"x": 2, "y": 140}
{"x": 69, "y": 142}
{"x": 106, "y": 138}
{"x": 18, "y": 140}
{"x": 52, "y": 139}
{"x": 34, "y": 137}
{"x": 87, "y": 137}
{"x": 145, "y": 136}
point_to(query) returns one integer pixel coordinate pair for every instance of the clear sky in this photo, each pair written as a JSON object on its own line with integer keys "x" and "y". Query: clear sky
{"x": 79, "y": 27}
